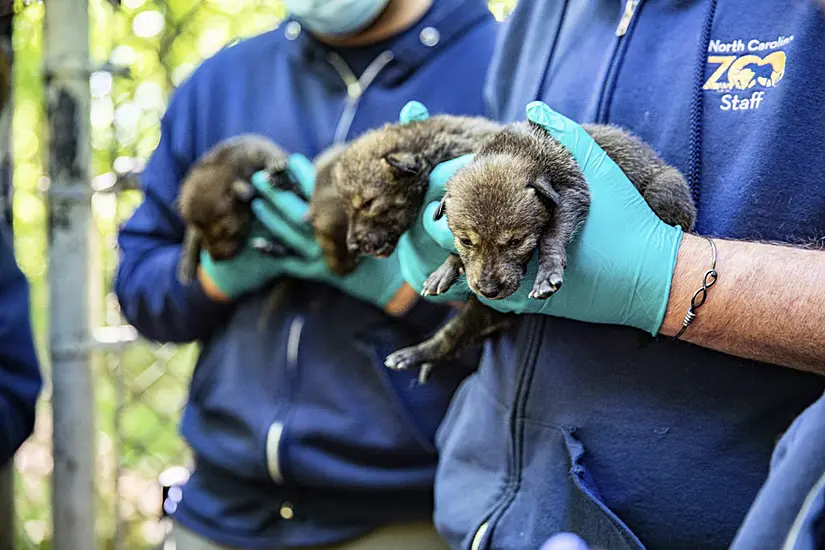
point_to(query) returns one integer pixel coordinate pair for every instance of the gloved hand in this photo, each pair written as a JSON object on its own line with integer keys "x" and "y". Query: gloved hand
{"x": 620, "y": 263}
{"x": 421, "y": 249}
{"x": 281, "y": 214}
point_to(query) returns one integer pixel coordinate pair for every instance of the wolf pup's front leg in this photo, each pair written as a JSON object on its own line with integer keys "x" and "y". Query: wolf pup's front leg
{"x": 470, "y": 326}
{"x": 568, "y": 212}
{"x": 442, "y": 279}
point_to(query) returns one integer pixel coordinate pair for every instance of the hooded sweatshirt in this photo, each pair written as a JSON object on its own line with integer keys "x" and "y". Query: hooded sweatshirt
{"x": 629, "y": 441}
{"x": 20, "y": 380}
{"x": 301, "y": 435}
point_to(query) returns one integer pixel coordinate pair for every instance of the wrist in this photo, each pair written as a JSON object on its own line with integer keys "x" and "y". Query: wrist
{"x": 211, "y": 289}
{"x": 692, "y": 262}
{"x": 402, "y": 301}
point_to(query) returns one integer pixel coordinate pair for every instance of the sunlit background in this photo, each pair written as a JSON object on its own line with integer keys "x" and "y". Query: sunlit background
{"x": 144, "y": 49}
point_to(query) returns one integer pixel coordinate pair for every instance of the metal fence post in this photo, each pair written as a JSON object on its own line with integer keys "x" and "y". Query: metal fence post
{"x": 7, "y": 507}
{"x": 67, "y": 70}
{"x": 6, "y": 104}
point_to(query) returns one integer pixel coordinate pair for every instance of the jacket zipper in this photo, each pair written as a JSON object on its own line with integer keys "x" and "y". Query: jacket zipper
{"x": 276, "y": 430}
{"x": 532, "y": 344}
{"x": 525, "y": 374}
{"x": 631, "y": 8}
{"x": 355, "y": 90}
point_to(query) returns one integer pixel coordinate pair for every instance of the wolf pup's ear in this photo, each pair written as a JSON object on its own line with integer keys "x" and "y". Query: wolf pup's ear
{"x": 406, "y": 163}
{"x": 439, "y": 212}
{"x": 545, "y": 190}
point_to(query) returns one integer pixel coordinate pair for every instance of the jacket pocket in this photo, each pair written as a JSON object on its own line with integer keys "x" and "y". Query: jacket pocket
{"x": 550, "y": 490}
{"x": 239, "y": 388}
{"x": 593, "y": 514}
{"x": 398, "y": 383}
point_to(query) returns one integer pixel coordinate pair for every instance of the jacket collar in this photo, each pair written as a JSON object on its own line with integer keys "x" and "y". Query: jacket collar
{"x": 444, "y": 22}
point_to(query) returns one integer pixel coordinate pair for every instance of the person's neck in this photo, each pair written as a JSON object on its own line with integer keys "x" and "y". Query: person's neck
{"x": 398, "y": 16}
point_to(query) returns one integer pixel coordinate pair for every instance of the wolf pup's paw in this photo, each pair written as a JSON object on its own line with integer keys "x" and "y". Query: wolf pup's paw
{"x": 424, "y": 371}
{"x": 423, "y": 355}
{"x": 546, "y": 285}
{"x": 441, "y": 280}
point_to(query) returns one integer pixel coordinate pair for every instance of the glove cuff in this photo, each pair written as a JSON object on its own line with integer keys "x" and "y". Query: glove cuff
{"x": 224, "y": 278}
{"x": 414, "y": 269}
{"x": 651, "y": 295}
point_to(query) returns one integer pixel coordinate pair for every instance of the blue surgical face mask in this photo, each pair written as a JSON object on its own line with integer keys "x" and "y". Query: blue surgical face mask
{"x": 335, "y": 17}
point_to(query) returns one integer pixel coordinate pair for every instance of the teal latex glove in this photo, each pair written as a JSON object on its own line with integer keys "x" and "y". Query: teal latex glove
{"x": 424, "y": 247}
{"x": 281, "y": 214}
{"x": 620, "y": 263}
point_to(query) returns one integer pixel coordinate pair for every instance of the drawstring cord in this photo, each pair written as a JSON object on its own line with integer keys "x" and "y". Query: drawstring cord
{"x": 355, "y": 87}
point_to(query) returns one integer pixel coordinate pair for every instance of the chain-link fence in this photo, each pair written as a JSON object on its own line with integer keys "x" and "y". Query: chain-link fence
{"x": 140, "y": 50}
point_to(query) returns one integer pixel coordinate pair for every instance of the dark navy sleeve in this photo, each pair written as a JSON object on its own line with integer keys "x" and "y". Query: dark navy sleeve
{"x": 20, "y": 380}
{"x": 150, "y": 295}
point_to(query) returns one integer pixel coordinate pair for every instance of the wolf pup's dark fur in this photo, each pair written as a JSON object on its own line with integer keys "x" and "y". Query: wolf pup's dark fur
{"x": 383, "y": 175}
{"x": 327, "y": 214}
{"x": 216, "y": 194}
{"x": 522, "y": 191}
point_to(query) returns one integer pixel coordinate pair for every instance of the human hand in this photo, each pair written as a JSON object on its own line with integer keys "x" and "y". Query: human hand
{"x": 425, "y": 246}
{"x": 620, "y": 263}
{"x": 282, "y": 214}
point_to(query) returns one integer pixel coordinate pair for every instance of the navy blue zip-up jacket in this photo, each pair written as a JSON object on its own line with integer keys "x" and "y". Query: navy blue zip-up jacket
{"x": 20, "y": 380}
{"x": 628, "y": 441}
{"x": 302, "y": 436}
{"x": 791, "y": 502}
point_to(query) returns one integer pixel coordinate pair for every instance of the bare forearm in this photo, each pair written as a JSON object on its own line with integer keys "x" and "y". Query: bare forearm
{"x": 767, "y": 304}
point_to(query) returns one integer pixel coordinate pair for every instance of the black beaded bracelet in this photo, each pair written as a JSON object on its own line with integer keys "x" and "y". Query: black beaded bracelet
{"x": 700, "y": 295}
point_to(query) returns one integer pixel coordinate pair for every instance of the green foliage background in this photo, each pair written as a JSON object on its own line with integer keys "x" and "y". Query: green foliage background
{"x": 140, "y": 389}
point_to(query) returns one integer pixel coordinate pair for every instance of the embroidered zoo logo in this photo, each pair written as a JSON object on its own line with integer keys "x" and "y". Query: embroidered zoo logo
{"x": 745, "y": 78}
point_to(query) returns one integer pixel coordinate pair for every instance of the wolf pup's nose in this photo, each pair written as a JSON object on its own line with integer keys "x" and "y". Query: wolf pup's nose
{"x": 488, "y": 289}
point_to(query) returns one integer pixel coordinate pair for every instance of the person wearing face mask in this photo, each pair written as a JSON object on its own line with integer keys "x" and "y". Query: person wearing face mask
{"x": 301, "y": 436}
